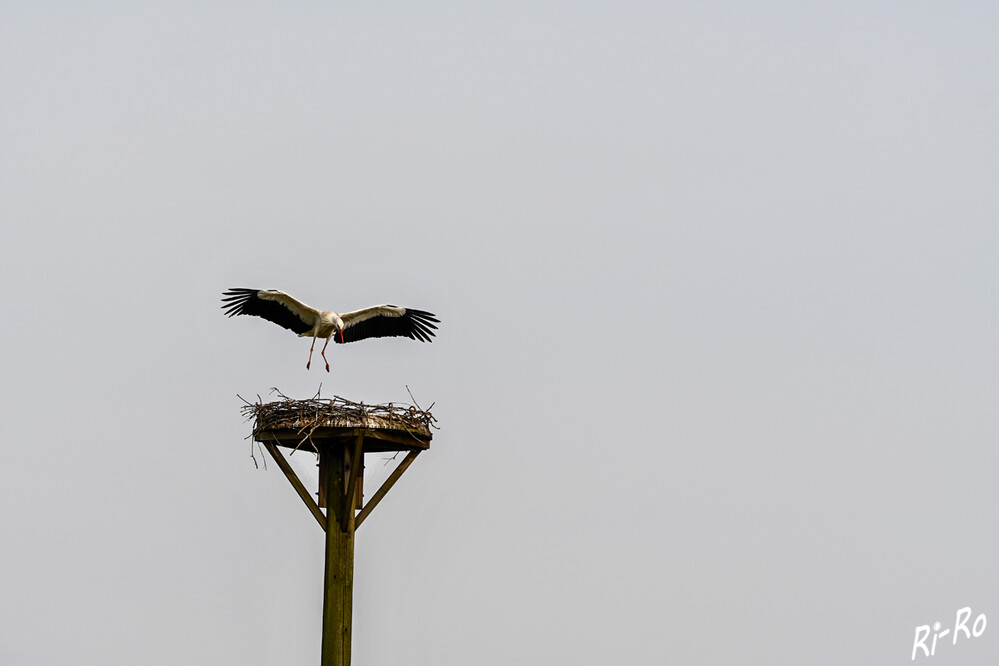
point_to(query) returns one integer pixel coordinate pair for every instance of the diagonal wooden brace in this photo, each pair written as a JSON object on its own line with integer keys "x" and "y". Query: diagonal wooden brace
{"x": 386, "y": 486}
{"x": 296, "y": 483}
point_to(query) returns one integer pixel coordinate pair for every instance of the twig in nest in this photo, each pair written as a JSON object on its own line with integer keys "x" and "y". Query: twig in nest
{"x": 253, "y": 458}
{"x": 262, "y": 456}
{"x": 427, "y": 410}
{"x": 412, "y": 398}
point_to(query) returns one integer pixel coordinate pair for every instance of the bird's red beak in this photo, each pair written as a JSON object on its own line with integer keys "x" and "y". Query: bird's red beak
{"x": 341, "y": 336}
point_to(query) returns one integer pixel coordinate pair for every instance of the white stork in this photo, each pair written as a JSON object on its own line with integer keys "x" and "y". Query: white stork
{"x": 378, "y": 321}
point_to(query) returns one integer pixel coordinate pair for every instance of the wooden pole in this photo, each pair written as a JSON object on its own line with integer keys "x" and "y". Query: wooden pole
{"x": 339, "y": 584}
{"x": 356, "y": 462}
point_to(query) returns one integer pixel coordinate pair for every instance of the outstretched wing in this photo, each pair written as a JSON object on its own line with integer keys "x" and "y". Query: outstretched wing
{"x": 272, "y": 305}
{"x": 383, "y": 321}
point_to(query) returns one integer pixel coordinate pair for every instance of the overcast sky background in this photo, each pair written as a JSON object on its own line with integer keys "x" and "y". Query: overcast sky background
{"x": 717, "y": 375}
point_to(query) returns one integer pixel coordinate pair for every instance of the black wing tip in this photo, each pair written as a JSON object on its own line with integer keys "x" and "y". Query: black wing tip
{"x": 235, "y": 299}
{"x": 420, "y": 315}
{"x": 244, "y": 290}
{"x": 424, "y": 325}
{"x": 424, "y": 315}
{"x": 233, "y": 294}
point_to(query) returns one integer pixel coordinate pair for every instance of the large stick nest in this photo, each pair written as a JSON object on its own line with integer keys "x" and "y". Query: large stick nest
{"x": 305, "y": 416}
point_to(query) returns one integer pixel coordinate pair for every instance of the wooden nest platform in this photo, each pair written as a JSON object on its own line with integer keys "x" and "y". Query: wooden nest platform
{"x": 340, "y": 432}
{"x": 317, "y": 421}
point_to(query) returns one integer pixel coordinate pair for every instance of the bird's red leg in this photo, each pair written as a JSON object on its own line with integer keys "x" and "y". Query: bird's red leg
{"x": 323, "y": 352}
{"x": 309, "y": 364}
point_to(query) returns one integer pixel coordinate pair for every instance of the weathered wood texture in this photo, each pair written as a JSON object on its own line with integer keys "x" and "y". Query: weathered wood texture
{"x": 377, "y": 440}
{"x": 339, "y": 585}
{"x": 355, "y": 469}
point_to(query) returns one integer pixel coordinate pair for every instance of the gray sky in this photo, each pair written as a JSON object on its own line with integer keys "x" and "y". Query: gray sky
{"x": 717, "y": 374}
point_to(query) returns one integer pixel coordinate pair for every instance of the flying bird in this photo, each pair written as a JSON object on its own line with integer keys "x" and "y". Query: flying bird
{"x": 379, "y": 321}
